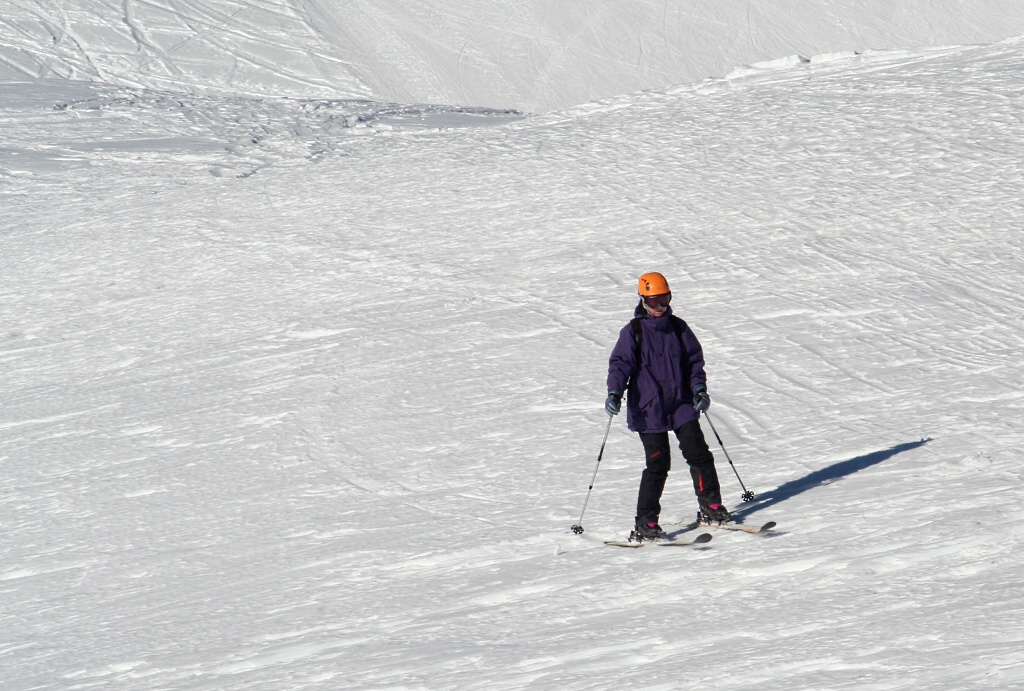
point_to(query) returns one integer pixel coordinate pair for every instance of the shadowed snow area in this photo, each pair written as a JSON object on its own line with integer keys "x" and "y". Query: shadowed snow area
{"x": 303, "y": 387}
{"x": 225, "y": 135}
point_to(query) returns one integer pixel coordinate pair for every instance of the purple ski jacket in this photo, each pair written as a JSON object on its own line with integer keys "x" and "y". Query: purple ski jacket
{"x": 659, "y": 394}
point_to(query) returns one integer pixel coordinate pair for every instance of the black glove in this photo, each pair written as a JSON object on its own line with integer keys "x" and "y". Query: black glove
{"x": 701, "y": 399}
{"x": 613, "y": 403}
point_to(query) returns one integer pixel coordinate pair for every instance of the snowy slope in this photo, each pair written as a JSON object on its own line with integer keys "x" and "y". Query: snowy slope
{"x": 533, "y": 55}
{"x": 307, "y": 393}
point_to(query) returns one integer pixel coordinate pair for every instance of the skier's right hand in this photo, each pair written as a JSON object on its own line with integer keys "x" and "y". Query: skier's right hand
{"x": 613, "y": 403}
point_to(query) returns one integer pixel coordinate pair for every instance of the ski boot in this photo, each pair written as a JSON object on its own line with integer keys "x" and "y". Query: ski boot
{"x": 647, "y": 529}
{"x": 713, "y": 512}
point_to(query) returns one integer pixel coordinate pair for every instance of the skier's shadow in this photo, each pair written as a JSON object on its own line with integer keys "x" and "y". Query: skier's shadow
{"x": 821, "y": 477}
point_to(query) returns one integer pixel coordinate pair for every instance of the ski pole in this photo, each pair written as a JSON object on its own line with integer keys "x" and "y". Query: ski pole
{"x": 578, "y": 528}
{"x": 747, "y": 494}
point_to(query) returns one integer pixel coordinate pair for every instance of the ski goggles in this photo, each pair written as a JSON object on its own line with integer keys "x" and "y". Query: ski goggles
{"x": 657, "y": 301}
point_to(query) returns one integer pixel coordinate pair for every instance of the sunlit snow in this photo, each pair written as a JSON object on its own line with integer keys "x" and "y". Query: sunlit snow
{"x": 303, "y": 367}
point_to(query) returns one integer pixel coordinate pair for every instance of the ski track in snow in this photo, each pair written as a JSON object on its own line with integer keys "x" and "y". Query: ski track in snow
{"x": 327, "y": 425}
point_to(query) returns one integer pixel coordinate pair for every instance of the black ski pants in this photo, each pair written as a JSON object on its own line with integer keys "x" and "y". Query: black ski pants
{"x": 659, "y": 461}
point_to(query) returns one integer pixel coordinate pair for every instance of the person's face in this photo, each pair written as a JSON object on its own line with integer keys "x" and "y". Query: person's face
{"x": 657, "y": 305}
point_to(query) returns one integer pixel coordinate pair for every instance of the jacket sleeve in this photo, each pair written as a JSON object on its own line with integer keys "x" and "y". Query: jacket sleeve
{"x": 694, "y": 359}
{"x": 622, "y": 361}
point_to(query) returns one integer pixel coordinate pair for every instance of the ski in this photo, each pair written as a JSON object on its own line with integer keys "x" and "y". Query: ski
{"x": 738, "y": 527}
{"x": 752, "y": 529}
{"x": 699, "y": 540}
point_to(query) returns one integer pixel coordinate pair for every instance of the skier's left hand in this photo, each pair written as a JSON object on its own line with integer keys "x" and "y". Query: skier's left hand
{"x": 701, "y": 398}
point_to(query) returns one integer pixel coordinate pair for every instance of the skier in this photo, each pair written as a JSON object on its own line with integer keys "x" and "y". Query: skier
{"x": 659, "y": 361}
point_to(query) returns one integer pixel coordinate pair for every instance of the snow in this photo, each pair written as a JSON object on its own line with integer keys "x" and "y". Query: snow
{"x": 303, "y": 367}
{"x": 533, "y": 55}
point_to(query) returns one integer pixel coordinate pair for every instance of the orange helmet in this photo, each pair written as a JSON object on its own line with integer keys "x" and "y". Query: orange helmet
{"x": 652, "y": 284}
